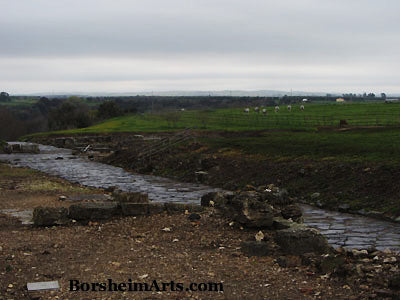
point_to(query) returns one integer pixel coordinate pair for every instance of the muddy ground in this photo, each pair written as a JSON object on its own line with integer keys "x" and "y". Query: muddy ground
{"x": 143, "y": 250}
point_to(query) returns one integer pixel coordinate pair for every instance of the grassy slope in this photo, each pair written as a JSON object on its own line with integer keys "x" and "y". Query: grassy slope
{"x": 315, "y": 115}
{"x": 379, "y": 144}
{"x": 358, "y": 145}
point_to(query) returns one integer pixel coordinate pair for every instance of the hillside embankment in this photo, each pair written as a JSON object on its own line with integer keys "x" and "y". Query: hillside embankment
{"x": 327, "y": 169}
{"x": 366, "y": 188}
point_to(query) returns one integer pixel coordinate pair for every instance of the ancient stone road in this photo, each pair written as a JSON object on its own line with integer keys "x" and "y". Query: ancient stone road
{"x": 60, "y": 162}
{"x": 341, "y": 229}
{"x": 352, "y": 231}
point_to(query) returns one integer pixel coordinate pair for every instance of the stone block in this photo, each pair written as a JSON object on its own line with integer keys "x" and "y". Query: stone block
{"x": 133, "y": 197}
{"x": 156, "y": 208}
{"x": 134, "y": 209}
{"x": 173, "y": 208}
{"x": 93, "y": 211}
{"x": 49, "y": 216}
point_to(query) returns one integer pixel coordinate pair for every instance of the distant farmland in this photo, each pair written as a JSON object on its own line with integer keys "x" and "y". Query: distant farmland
{"x": 314, "y": 116}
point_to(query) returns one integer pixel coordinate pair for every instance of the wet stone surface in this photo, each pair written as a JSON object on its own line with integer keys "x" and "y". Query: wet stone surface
{"x": 341, "y": 229}
{"x": 352, "y": 231}
{"x": 100, "y": 175}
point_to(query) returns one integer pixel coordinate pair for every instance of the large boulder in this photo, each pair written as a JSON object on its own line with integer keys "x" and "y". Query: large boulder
{"x": 49, "y": 216}
{"x": 133, "y": 197}
{"x": 134, "y": 209}
{"x": 276, "y": 197}
{"x": 300, "y": 239}
{"x": 247, "y": 208}
{"x": 253, "y": 213}
{"x": 256, "y": 208}
{"x": 93, "y": 211}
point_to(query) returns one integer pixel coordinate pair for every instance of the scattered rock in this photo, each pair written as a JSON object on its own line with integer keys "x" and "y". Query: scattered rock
{"x": 248, "y": 209}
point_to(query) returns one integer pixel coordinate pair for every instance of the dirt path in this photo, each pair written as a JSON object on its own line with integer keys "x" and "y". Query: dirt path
{"x": 143, "y": 250}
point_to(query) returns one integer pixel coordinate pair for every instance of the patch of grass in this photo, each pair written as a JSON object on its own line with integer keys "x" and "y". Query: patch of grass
{"x": 51, "y": 186}
{"x": 9, "y": 171}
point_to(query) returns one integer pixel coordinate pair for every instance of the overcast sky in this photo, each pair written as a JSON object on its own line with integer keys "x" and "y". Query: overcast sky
{"x": 163, "y": 45}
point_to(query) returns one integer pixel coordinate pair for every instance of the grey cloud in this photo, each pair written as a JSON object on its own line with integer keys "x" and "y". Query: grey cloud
{"x": 357, "y": 36}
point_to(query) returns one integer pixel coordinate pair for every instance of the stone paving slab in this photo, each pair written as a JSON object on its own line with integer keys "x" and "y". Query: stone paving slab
{"x": 353, "y": 231}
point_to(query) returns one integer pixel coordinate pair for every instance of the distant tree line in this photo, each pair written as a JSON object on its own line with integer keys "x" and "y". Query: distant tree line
{"x": 58, "y": 113}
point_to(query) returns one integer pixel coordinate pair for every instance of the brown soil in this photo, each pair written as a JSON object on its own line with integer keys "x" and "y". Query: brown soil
{"x": 139, "y": 249}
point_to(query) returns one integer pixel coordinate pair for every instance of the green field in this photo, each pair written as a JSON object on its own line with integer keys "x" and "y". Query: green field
{"x": 375, "y": 135}
{"x": 19, "y": 103}
{"x": 314, "y": 116}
